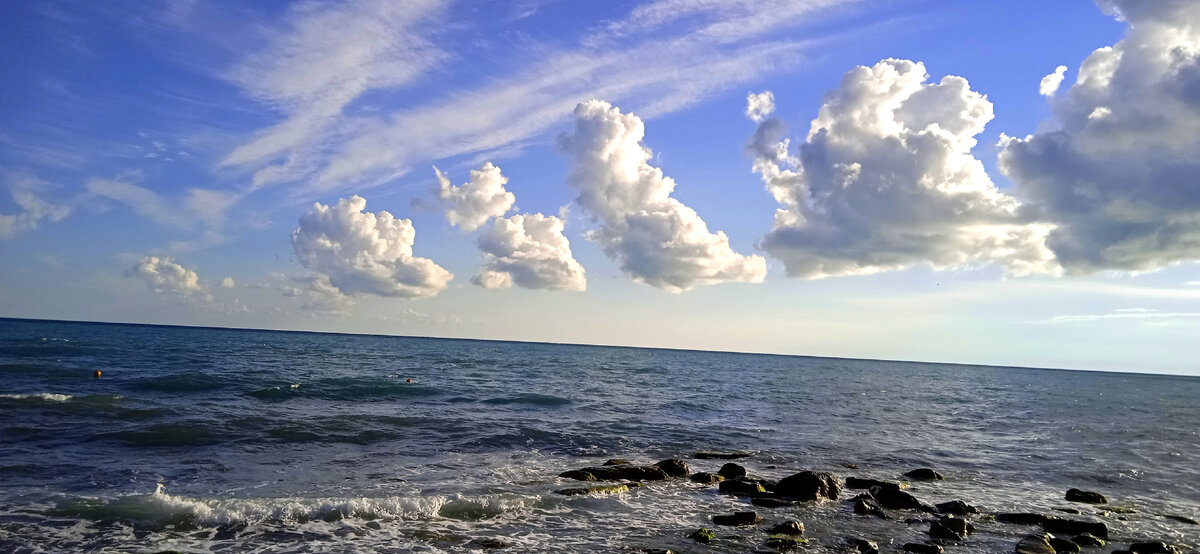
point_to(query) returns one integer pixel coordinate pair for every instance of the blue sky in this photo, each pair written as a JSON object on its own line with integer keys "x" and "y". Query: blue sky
{"x": 229, "y": 163}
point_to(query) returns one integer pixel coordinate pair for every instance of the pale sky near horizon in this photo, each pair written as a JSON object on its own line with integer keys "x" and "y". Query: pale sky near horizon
{"x": 993, "y": 182}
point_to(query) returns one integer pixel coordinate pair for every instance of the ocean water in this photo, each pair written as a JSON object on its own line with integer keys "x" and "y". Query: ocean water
{"x": 208, "y": 440}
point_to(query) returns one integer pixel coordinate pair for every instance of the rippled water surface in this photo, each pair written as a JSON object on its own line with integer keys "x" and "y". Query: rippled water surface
{"x": 220, "y": 440}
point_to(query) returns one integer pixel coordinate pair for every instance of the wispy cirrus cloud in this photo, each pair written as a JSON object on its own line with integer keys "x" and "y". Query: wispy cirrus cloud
{"x": 1142, "y": 314}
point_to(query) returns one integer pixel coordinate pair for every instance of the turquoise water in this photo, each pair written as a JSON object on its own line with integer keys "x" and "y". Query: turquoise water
{"x": 208, "y": 440}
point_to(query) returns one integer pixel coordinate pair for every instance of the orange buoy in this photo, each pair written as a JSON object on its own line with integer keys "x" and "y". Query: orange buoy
{"x": 408, "y": 380}
{"x": 97, "y": 374}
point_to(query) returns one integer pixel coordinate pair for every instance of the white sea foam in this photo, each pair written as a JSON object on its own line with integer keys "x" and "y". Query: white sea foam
{"x": 47, "y": 396}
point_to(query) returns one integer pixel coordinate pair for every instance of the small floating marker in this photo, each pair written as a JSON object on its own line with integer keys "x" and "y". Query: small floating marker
{"x": 97, "y": 373}
{"x": 406, "y": 380}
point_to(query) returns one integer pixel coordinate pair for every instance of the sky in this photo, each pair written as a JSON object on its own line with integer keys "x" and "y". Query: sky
{"x": 1007, "y": 182}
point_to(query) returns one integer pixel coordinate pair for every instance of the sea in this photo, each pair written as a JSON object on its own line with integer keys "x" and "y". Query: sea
{"x": 221, "y": 440}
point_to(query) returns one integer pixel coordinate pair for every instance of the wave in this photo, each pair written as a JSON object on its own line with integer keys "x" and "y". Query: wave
{"x": 45, "y": 396}
{"x": 530, "y": 399}
{"x": 160, "y": 509}
{"x": 164, "y": 434}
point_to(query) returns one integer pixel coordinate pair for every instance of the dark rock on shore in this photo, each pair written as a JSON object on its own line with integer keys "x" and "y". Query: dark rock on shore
{"x": 619, "y": 472}
{"x": 1075, "y": 527}
{"x": 863, "y": 546}
{"x": 742, "y": 486}
{"x": 704, "y": 535}
{"x": 578, "y": 475}
{"x": 615, "y": 462}
{"x": 866, "y": 505}
{"x": 771, "y": 502}
{"x": 707, "y": 478}
{"x": 1181, "y": 519}
{"x": 780, "y": 542}
{"x": 1068, "y": 510}
{"x": 674, "y": 467}
{"x": 598, "y": 489}
{"x": 1153, "y": 548}
{"x": 1087, "y": 540}
{"x": 1061, "y": 545}
{"x": 490, "y": 543}
{"x": 731, "y": 471}
{"x": 1086, "y": 497}
{"x": 721, "y": 455}
{"x": 737, "y": 518}
{"x": 924, "y": 474}
{"x": 790, "y": 527}
{"x": 956, "y": 507}
{"x": 810, "y": 485}
{"x": 923, "y": 548}
{"x": 856, "y": 483}
{"x": 1035, "y": 544}
{"x": 897, "y": 500}
{"x": 940, "y": 530}
{"x": 1021, "y": 518}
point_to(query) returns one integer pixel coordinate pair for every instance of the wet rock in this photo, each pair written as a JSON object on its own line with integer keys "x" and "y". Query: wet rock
{"x": 810, "y": 485}
{"x": 737, "y": 518}
{"x": 598, "y": 489}
{"x": 491, "y": 543}
{"x": 1086, "y": 497}
{"x": 1068, "y": 511}
{"x": 866, "y": 505}
{"x": 1035, "y": 544}
{"x": 743, "y": 487}
{"x": 731, "y": 471}
{"x": 896, "y": 499}
{"x": 1021, "y": 518}
{"x": 674, "y": 467}
{"x": 615, "y": 462}
{"x": 790, "y": 527}
{"x": 619, "y": 472}
{"x": 863, "y": 546}
{"x": 703, "y": 535}
{"x": 1154, "y": 548}
{"x": 578, "y": 475}
{"x": 780, "y": 542}
{"x": 958, "y": 525}
{"x": 856, "y": 483}
{"x": 924, "y": 474}
{"x": 1117, "y": 509}
{"x": 705, "y": 477}
{"x": 771, "y": 502}
{"x": 1061, "y": 545}
{"x": 1075, "y": 527}
{"x": 1088, "y": 541}
{"x": 1181, "y": 519}
{"x": 721, "y": 455}
{"x": 923, "y": 548}
{"x": 956, "y": 507}
{"x": 657, "y": 551}
{"x": 939, "y": 530}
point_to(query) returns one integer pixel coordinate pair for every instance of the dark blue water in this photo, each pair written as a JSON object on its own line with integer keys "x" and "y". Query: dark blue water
{"x": 226, "y": 440}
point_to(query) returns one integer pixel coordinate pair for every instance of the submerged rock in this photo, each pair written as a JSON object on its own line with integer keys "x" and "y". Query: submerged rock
{"x": 771, "y": 502}
{"x": 1035, "y": 544}
{"x": 731, "y": 471}
{"x": 781, "y": 542}
{"x": 1086, "y": 497}
{"x": 707, "y": 478}
{"x": 790, "y": 527}
{"x": 721, "y": 455}
{"x": 618, "y": 472}
{"x": 956, "y": 507}
{"x": 922, "y": 548}
{"x": 578, "y": 475}
{"x": 1075, "y": 527}
{"x": 1068, "y": 510}
{"x": 1088, "y": 540}
{"x": 1021, "y": 518}
{"x": 1061, "y": 545}
{"x": 810, "y": 485}
{"x": 856, "y": 483}
{"x": 491, "y": 543}
{"x": 863, "y": 546}
{"x": 704, "y": 535}
{"x": 939, "y": 530}
{"x": 866, "y": 505}
{"x": 743, "y": 487}
{"x": 674, "y": 467}
{"x": 737, "y": 518}
{"x": 924, "y": 474}
{"x": 598, "y": 489}
{"x": 897, "y": 499}
{"x": 1153, "y": 548}
{"x": 1181, "y": 519}
{"x": 615, "y": 462}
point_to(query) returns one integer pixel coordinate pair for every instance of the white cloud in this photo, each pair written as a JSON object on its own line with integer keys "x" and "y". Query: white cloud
{"x": 885, "y": 180}
{"x": 164, "y": 275}
{"x": 1118, "y": 167}
{"x": 655, "y": 238}
{"x": 228, "y": 283}
{"x": 530, "y": 251}
{"x": 365, "y": 253}
{"x": 760, "y": 106}
{"x": 318, "y": 296}
{"x": 1050, "y": 83}
{"x": 33, "y": 209}
{"x": 1138, "y": 314}
{"x": 198, "y": 206}
{"x": 481, "y": 198}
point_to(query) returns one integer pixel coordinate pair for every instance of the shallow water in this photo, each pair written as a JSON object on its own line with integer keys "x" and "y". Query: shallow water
{"x": 222, "y": 440}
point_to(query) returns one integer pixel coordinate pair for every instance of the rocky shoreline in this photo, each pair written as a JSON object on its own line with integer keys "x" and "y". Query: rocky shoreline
{"x": 949, "y": 524}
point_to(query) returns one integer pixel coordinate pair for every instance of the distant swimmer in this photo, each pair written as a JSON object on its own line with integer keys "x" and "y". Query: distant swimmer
{"x": 406, "y": 380}
{"x": 97, "y": 374}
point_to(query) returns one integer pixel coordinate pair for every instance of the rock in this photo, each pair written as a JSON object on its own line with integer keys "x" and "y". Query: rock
{"x": 856, "y": 483}
{"x": 790, "y": 527}
{"x": 1075, "y": 527}
{"x": 674, "y": 467}
{"x": 721, "y": 455}
{"x": 780, "y": 542}
{"x": 1153, "y": 548}
{"x": 866, "y": 505}
{"x": 615, "y": 462}
{"x": 657, "y": 551}
{"x": 737, "y": 518}
{"x": 924, "y": 474}
{"x": 939, "y": 530}
{"x": 771, "y": 502}
{"x": 743, "y": 487}
{"x": 810, "y": 485}
{"x": 704, "y": 535}
{"x": 491, "y": 543}
{"x": 1181, "y": 519}
{"x": 1068, "y": 510}
{"x": 578, "y": 475}
{"x": 707, "y": 478}
{"x": 1088, "y": 541}
{"x": 1063, "y": 545}
{"x": 598, "y": 489}
{"x": 619, "y": 472}
{"x": 956, "y": 507}
{"x": 922, "y": 548}
{"x": 863, "y": 546}
{"x": 1086, "y": 497}
{"x": 1035, "y": 544}
{"x": 896, "y": 499}
{"x": 958, "y": 525}
{"x": 731, "y": 471}
{"x": 1021, "y": 518}
{"x": 1118, "y": 509}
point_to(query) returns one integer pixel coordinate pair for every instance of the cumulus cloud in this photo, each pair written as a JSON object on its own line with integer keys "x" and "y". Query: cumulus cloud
{"x": 1050, "y": 83}
{"x": 365, "y": 253}
{"x": 227, "y": 283}
{"x": 885, "y": 180}
{"x": 165, "y": 275}
{"x": 33, "y": 209}
{"x": 760, "y": 106}
{"x": 531, "y": 251}
{"x": 1118, "y": 167}
{"x": 481, "y": 198}
{"x": 655, "y": 238}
